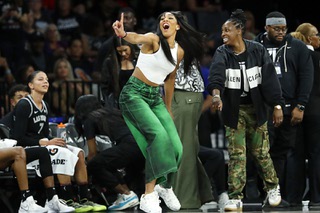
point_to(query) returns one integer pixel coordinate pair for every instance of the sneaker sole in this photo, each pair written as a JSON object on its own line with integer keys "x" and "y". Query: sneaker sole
{"x": 82, "y": 210}
{"x": 141, "y": 208}
{"x": 160, "y": 211}
{"x": 233, "y": 209}
{"x": 99, "y": 209}
{"x": 130, "y": 204}
{"x": 276, "y": 204}
{"x": 53, "y": 211}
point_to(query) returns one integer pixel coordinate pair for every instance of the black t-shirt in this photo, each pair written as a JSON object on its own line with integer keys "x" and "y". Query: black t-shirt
{"x": 124, "y": 76}
{"x": 68, "y": 26}
{"x": 10, "y": 26}
{"x": 245, "y": 97}
{"x": 118, "y": 131}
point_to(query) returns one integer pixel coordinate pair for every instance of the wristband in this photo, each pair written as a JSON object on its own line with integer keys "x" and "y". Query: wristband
{"x": 125, "y": 35}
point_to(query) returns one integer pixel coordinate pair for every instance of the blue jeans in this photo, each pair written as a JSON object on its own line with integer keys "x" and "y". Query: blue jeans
{"x": 152, "y": 127}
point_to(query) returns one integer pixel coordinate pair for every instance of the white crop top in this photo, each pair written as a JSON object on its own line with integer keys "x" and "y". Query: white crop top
{"x": 156, "y": 66}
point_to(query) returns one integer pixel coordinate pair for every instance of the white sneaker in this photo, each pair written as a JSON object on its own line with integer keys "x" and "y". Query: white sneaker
{"x": 223, "y": 199}
{"x": 150, "y": 203}
{"x": 57, "y": 205}
{"x": 125, "y": 201}
{"x": 30, "y": 206}
{"x": 274, "y": 196}
{"x": 169, "y": 198}
{"x": 233, "y": 205}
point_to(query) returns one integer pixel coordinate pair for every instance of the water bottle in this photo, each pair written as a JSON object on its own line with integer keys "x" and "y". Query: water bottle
{"x": 61, "y": 131}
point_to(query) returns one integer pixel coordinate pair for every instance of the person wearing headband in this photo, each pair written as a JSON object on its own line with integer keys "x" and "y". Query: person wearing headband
{"x": 294, "y": 69}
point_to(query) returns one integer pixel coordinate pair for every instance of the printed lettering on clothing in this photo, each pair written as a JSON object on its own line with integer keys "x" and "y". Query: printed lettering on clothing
{"x": 233, "y": 79}
{"x": 58, "y": 161}
{"x": 254, "y": 76}
{"x": 39, "y": 118}
{"x": 242, "y": 65}
{"x": 273, "y": 53}
{"x": 53, "y": 162}
{"x": 67, "y": 23}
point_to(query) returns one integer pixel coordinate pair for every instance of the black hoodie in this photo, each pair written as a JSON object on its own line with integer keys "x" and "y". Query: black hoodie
{"x": 296, "y": 69}
{"x": 264, "y": 86}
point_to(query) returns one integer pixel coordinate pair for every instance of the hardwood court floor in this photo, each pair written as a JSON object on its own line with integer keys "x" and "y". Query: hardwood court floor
{"x": 206, "y": 209}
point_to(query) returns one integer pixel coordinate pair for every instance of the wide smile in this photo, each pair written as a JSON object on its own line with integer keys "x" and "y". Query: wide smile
{"x": 225, "y": 40}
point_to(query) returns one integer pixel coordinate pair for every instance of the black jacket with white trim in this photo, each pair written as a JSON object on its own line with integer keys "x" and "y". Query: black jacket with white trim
{"x": 225, "y": 75}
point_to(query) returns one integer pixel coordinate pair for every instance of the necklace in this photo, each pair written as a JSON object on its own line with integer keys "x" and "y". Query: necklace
{"x": 238, "y": 53}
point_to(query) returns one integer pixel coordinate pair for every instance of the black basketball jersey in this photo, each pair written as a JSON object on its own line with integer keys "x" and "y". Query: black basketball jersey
{"x": 30, "y": 124}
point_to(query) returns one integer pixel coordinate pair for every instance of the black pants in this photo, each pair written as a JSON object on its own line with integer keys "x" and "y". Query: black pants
{"x": 282, "y": 140}
{"x": 41, "y": 153}
{"x": 214, "y": 164}
{"x": 208, "y": 123}
{"x": 307, "y": 147}
{"x": 104, "y": 166}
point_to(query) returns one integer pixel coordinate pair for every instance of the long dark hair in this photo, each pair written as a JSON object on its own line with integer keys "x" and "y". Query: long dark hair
{"x": 121, "y": 42}
{"x": 188, "y": 38}
{"x": 112, "y": 65}
{"x": 89, "y": 107}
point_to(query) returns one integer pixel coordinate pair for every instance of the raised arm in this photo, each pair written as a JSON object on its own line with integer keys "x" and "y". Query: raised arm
{"x": 132, "y": 37}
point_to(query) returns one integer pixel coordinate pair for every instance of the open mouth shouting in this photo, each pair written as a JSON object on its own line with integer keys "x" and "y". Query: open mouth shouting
{"x": 166, "y": 26}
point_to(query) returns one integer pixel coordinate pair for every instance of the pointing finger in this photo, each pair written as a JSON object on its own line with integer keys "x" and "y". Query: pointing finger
{"x": 121, "y": 19}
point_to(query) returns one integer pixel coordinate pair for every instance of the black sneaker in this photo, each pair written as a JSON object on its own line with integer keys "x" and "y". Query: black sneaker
{"x": 314, "y": 206}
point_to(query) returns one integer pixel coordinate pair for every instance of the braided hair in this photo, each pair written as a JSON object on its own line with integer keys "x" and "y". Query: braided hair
{"x": 238, "y": 18}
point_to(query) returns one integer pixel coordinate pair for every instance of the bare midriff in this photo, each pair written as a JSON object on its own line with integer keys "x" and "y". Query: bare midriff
{"x": 139, "y": 75}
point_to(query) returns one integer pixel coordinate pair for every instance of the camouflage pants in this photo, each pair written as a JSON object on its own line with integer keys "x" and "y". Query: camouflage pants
{"x": 254, "y": 140}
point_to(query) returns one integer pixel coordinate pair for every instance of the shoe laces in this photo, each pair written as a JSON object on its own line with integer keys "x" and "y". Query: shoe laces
{"x": 274, "y": 192}
{"x": 73, "y": 204}
{"x": 231, "y": 202}
{"x": 152, "y": 198}
{"x": 63, "y": 202}
{"x": 89, "y": 203}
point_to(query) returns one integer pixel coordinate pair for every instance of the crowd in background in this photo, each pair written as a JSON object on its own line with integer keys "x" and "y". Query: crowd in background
{"x": 36, "y": 34}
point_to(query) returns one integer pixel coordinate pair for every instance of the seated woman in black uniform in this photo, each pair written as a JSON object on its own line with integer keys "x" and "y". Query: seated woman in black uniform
{"x": 31, "y": 128}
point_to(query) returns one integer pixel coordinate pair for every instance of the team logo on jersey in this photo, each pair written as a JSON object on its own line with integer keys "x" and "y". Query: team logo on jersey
{"x": 53, "y": 151}
{"x": 39, "y": 118}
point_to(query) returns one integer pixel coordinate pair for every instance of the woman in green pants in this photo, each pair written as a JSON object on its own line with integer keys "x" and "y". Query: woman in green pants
{"x": 142, "y": 106}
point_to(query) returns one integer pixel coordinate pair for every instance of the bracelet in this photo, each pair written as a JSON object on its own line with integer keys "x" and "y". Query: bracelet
{"x": 216, "y": 96}
{"x": 125, "y": 35}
